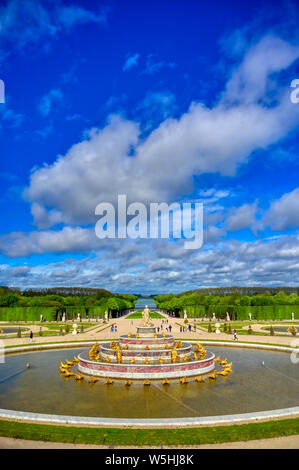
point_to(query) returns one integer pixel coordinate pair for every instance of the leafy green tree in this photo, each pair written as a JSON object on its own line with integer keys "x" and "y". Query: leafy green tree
{"x": 9, "y": 300}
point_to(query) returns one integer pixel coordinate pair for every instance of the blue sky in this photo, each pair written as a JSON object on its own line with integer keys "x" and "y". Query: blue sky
{"x": 161, "y": 101}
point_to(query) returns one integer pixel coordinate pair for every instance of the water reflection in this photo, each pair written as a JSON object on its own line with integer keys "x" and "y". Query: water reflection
{"x": 251, "y": 387}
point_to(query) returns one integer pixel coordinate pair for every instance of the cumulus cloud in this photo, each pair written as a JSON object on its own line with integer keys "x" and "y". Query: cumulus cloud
{"x": 91, "y": 172}
{"x": 242, "y": 217}
{"x": 116, "y": 159}
{"x": 255, "y": 77}
{"x": 283, "y": 213}
{"x": 159, "y": 267}
{"x": 68, "y": 239}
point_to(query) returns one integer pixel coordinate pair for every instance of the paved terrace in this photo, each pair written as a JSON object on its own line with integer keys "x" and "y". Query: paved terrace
{"x": 101, "y": 331}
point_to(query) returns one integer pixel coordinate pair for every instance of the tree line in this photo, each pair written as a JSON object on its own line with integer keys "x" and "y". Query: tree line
{"x": 66, "y": 297}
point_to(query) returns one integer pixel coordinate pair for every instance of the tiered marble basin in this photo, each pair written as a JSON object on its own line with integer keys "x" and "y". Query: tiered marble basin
{"x": 142, "y": 347}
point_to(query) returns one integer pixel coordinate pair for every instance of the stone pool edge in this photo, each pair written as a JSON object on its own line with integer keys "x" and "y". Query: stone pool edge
{"x": 150, "y": 422}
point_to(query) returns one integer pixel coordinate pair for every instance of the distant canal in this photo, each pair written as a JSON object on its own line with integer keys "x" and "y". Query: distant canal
{"x": 141, "y": 303}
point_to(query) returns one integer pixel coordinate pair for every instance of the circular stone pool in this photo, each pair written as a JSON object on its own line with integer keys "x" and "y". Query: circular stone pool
{"x": 250, "y": 388}
{"x": 279, "y": 329}
{"x": 10, "y": 329}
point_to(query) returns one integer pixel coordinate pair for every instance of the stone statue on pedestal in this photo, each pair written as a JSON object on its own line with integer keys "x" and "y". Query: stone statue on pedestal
{"x": 146, "y": 319}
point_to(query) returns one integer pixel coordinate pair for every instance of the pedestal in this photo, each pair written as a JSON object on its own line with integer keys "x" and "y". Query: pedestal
{"x": 146, "y": 331}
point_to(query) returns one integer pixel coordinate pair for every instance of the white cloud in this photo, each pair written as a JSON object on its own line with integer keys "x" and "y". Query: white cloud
{"x": 46, "y": 103}
{"x": 73, "y": 15}
{"x": 69, "y": 239}
{"x": 283, "y": 212}
{"x": 242, "y": 217}
{"x": 153, "y": 65}
{"x": 116, "y": 159}
{"x": 157, "y": 266}
{"x": 27, "y": 22}
{"x": 254, "y": 78}
{"x": 131, "y": 61}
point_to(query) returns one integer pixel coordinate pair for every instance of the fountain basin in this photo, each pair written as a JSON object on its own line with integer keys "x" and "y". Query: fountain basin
{"x": 153, "y": 355}
{"x": 146, "y": 371}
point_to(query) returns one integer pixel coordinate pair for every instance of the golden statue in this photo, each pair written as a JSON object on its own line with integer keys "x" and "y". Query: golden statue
{"x": 119, "y": 355}
{"x": 146, "y": 319}
{"x": 174, "y": 355}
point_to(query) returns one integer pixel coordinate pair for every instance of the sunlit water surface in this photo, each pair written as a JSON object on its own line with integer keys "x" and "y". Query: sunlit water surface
{"x": 251, "y": 387}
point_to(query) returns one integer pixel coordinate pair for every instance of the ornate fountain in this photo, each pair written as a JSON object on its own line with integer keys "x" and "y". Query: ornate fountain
{"x": 146, "y": 356}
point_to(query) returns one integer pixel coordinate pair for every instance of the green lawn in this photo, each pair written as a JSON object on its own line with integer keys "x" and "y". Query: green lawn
{"x": 146, "y": 437}
{"x": 139, "y": 315}
{"x": 53, "y": 329}
{"x": 239, "y": 327}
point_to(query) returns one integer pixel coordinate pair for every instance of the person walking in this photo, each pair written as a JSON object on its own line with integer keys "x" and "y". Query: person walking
{"x": 31, "y": 336}
{"x": 235, "y": 335}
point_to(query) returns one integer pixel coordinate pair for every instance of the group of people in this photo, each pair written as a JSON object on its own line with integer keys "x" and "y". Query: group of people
{"x": 185, "y": 329}
{"x": 164, "y": 322}
{"x": 167, "y": 328}
{"x": 113, "y": 328}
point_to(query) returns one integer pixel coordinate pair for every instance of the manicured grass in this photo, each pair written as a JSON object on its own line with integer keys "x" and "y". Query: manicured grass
{"x": 139, "y": 315}
{"x": 53, "y": 329}
{"x": 149, "y": 437}
{"x": 239, "y": 327}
